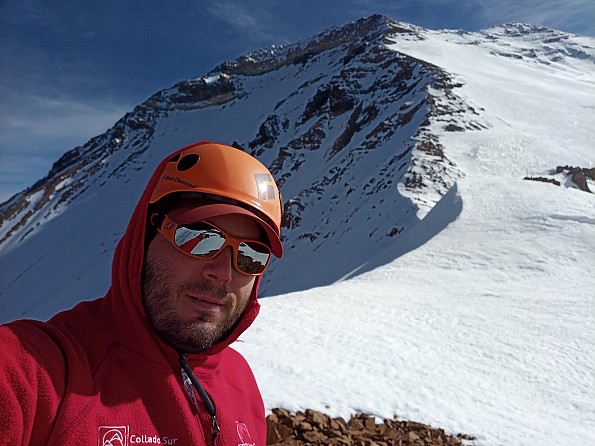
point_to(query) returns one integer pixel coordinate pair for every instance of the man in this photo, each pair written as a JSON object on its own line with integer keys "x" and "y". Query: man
{"x": 150, "y": 362}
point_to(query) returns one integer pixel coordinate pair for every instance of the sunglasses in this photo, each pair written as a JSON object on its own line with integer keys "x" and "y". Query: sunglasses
{"x": 205, "y": 240}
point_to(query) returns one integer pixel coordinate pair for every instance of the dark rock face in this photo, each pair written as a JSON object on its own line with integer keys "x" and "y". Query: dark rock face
{"x": 543, "y": 180}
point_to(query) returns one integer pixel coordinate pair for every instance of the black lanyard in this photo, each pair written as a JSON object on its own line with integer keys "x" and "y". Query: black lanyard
{"x": 204, "y": 396}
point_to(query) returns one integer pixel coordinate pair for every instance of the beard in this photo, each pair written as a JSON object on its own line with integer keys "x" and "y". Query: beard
{"x": 161, "y": 303}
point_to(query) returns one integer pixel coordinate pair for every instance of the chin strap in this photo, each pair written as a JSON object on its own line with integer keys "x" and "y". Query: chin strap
{"x": 190, "y": 384}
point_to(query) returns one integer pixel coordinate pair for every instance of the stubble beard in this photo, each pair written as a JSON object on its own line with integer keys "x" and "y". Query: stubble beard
{"x": 160, "y": 303}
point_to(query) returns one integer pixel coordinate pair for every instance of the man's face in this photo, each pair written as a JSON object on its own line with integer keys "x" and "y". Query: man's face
{"x": 193, "y": 303}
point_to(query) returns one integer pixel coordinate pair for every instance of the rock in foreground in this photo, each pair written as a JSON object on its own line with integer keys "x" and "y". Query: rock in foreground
{"x": 315, "y": 428}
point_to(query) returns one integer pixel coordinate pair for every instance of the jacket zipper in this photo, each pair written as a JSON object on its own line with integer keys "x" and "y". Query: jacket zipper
{"x": 191, "y": 384}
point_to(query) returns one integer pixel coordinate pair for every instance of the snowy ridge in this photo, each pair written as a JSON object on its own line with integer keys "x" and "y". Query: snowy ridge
{"x": 540, "y": 44}
{"x": 424, "y": 277}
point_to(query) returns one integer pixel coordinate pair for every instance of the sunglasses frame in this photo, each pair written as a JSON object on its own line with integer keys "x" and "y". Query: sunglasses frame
{"x": 167, "y": 228}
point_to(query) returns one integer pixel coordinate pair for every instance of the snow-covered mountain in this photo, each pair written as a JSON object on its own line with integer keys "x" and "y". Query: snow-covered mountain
{"x": 403, "y": 156}
{"x": 342, "y": 121}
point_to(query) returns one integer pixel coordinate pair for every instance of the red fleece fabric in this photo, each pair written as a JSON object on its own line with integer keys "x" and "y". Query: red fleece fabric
{"x": 99, "y": 375}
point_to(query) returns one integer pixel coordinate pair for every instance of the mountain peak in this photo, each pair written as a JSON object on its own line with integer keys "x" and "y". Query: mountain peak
{"x": 353, "y": 124}
{"x": 370, "y": 30}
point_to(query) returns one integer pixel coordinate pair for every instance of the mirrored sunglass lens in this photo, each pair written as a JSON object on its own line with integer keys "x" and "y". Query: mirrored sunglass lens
{"x": 252, "y": 257}
{"x": 199, "y": 240}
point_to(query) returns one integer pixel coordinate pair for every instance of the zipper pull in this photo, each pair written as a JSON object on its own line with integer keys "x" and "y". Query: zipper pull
{"x": 215, "y": 427}
{"x": 189, "y": 388}
{"x": 193, "y": 385}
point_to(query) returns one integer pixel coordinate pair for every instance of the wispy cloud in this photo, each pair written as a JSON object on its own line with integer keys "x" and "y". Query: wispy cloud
{"x": 55, "y": 119}
{"x": 569, "y": 15}
{"x": 251, "y": 24}
{"x": 35, "y": 130}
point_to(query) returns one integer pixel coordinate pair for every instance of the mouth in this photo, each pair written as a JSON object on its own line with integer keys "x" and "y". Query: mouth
{"x": 206, "y": 301}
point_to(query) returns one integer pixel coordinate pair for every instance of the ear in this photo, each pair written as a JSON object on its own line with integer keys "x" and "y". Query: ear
{"x": 156, "y": 220}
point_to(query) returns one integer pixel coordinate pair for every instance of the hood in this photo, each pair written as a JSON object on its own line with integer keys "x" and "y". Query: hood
{"x": 129, "y": 322}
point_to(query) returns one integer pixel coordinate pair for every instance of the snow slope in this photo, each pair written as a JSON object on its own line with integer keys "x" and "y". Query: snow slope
{"x": 488, "y": 327}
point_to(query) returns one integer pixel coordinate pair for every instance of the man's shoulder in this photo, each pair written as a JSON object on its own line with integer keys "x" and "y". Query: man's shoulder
{"x": 29, "y": 344}
{"x": 73, "y": 334}
{"x": 25, "y": 332}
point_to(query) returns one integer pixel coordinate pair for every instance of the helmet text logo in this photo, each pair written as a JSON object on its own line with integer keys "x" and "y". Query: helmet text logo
{"x": 177, "y": 180}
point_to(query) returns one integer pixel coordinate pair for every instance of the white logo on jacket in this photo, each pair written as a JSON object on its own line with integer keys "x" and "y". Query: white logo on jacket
{"x": 121, "y": 436}
{"x": 112, "y": 436}
{"x": 244, "y": 435}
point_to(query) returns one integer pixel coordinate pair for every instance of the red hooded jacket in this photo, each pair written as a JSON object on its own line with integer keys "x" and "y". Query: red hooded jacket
{"x": 99, "y": 375}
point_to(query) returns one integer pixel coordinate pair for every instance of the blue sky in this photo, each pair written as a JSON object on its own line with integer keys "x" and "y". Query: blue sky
{"x": 70, "y": 69}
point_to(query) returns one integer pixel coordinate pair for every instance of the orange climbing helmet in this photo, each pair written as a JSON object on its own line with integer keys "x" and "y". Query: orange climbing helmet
{"x": 223, "y": 173}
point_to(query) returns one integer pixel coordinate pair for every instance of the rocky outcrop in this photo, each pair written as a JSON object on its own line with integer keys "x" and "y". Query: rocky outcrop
{"x": 277, "y": 56}
{"x": 544, "y": 180}
{"x": 315, "y": 428}
{"x": 579, "y": 177}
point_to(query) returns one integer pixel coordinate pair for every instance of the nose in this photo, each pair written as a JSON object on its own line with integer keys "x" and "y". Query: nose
{"x": 219, "y": 268}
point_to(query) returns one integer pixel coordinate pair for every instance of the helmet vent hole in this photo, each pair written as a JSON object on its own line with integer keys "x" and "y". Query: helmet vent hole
{"x": 188, "y": 161}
